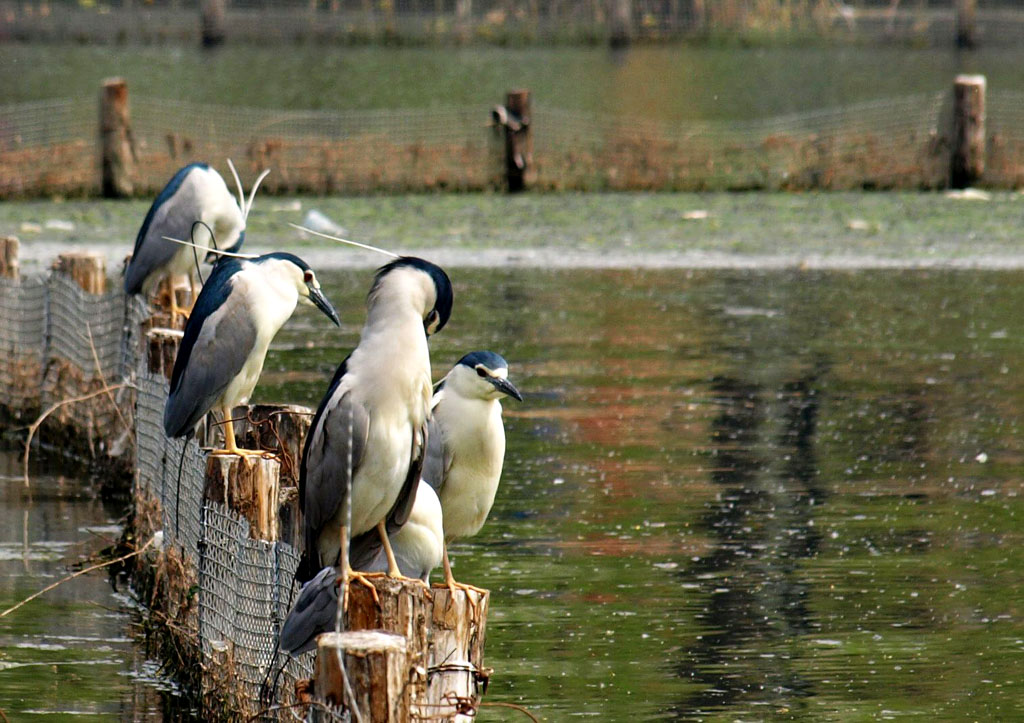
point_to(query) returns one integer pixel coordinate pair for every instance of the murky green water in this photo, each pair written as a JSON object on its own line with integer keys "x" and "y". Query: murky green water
{"x": 68, "y": 654}
{"x": 728, "y": 495}
{"x": 742, "y": 495}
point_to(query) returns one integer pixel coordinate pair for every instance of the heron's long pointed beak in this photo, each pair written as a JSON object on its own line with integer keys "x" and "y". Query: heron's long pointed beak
{"x": 506, "y": 387}
{"x": 320, "y": 301}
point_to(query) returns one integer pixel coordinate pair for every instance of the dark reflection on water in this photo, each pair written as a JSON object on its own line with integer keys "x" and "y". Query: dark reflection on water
{"x": 739, "y": 495}
{"x": 744, "y": 495}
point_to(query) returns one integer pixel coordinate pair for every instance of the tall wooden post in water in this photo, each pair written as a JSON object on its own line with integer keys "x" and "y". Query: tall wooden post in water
{"x": 966, "y": 27}
{"x": 212, "y": 22}
{"x": 518, "y": 140}
{"x": 116, "y": 139}
{"x": 968, "y": 130}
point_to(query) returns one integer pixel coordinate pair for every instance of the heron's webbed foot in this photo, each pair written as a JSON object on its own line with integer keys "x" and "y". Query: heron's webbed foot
{"x": 363, "y": 579}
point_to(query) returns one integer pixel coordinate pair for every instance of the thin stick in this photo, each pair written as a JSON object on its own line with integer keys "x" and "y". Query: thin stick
{"x": 513, "y": 706}
{"x": 103, "y": 380}
{"x": 72, "y": 576}
{"x": 344, "y": 240}
{"x": 209, "y": 250}
{"x": 53, "y": 408}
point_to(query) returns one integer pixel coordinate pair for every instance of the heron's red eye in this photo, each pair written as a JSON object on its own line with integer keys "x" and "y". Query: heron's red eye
{"x": 480, "y": 372}
{"x": 307, "y": 276}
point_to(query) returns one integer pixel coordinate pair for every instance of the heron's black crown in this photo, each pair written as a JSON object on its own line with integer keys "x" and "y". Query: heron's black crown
{"x": 488, "y": 359}
{"x": 444, "y": 296}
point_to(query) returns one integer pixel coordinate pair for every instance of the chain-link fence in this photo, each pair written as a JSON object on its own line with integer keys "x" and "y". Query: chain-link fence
{"x": 895, "y": 143}
{"x": 58, "y": 342}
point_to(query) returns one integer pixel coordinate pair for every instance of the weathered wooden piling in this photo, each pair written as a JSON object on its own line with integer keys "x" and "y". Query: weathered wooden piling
{"x": 968, "y": 161}
{"x": 456, "y": 677}
{"x": 376, "y": 665}
{"x": 966, "y": 23}
{"x": 212, "y": 22}
{"x": 444, "y": 637}
{"x": 162, "y": 347}
{"x": 515, "y": 117}
{"x": 9, "y": 247}
{"x": 88, "y": 269}
{"x": 248, "y": 485}
{"x": 621, "y": 24}
{"x": 116, "y": 143}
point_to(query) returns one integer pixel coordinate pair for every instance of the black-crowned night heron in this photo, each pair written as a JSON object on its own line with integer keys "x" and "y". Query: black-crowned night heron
{"x": 418, "y": 548}
{"x": 466, "y": 444}
{"x": 194, "y": 203}
{"x": 243, "y": 304}
{"x": 369, "y": 432}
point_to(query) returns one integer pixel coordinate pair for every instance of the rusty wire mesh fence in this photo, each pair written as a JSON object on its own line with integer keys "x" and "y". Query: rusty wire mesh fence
{"x": 894, "y": 143}
{"x": 56, "y": 341}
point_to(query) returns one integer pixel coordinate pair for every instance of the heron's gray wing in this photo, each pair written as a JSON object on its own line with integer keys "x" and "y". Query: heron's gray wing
{"x": 315, "y": 612}
{"x": 203, "y": 370}
{"x": 438, "y": 458}
{"x": 325, "y": 474}
{"x": 172, "y": 214}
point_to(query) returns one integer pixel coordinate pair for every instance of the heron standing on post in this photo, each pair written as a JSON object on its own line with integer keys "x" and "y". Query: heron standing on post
{"x": 365, "y": 448}
{"x": 466, "y": 445}
{"x": 242, "y": 306}
{"x": 195, "y": 204}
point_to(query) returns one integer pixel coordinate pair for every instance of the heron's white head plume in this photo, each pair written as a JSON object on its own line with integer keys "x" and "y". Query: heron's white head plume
{"x": 242, "y": 205}
{"x": 210, "y": 250}
{"x": 344, "y": 241}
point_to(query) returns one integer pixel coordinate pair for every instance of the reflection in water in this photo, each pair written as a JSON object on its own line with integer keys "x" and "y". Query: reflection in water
{"x": 727, "y": 495}
{"x": 760, "y": 526}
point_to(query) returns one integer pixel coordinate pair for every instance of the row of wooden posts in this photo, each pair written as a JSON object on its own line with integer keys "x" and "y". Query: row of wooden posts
{"x": 118, "y": 149}
{"x": 514, "y": 119}
{"x": 417, "y": 654}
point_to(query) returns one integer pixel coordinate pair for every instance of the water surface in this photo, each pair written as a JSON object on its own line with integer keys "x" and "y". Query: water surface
{"x": 728, "y": 495}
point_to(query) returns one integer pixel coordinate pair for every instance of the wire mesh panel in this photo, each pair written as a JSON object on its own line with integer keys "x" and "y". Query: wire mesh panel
{"x": 257, "y": 622}
{"x": 22, "y": 343}
{"x": 182, "y": 493}
{"x": 223, "y": 536}
{"x": 150, "y": 440}
{"x": 48, "y": 144}
{"x": 320, "y": 151}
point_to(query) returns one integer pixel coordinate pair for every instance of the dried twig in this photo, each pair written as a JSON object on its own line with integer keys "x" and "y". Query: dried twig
{"x": 53, "y": 408}
{"x": 103, "y": 381}
{"x": 78, "y": 574}
{"x": 513, "y": 706}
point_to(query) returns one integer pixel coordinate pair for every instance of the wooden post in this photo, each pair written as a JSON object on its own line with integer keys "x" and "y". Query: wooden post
{"x": 212, "y": 22}
{"x": 162, "y": 349}
{"x": 518, "y": 140}
{"x": 115, "y": 139}
{"x": 966, "y": 27}
{"x": 621, "y": 23}
{"x": 9, "y": 257}
{"x": 249, "y": 486}
{"x": 377, "y": 666}
{"x": 463, "y": 17}
{"x": 89, "y": 270}
{"x": 455, "y": 673}
{"x": 277, "y": 428}
{"x": 968, "y": 164}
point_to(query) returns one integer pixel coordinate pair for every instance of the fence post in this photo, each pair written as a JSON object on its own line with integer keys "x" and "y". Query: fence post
{"x": 515, "y": 117}
{"x": 968, "y": 164}
{"x": 621, "y": 23}
{"x": 377, "y": 667}
{"x": 966, "y": 27}
{"x": 9, "y": 257}
{"x": 115, "y": 139}
{"x": 88, "y": 269}
{"x": 212, "y": 22}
